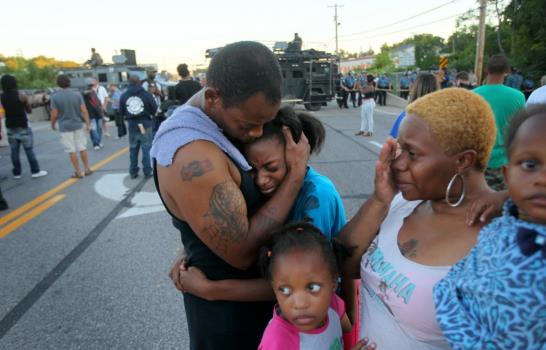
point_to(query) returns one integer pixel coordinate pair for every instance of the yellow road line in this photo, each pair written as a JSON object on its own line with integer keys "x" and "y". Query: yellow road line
{"x": 109, "y": 159}
{"x": 36, "y": 201}
{"x": 23, "y": 219}
{"x": 27, "y": 206}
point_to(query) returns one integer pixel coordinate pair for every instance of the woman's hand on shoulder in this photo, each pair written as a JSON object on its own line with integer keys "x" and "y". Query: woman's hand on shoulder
{"x": 485, "y": 208}
{"x": 385, "y": 188}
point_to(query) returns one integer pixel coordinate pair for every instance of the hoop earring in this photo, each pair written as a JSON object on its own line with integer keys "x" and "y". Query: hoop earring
{"x": 448, "y": 190}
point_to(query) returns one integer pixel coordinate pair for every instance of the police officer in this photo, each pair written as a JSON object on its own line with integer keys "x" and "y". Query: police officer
{"x": 404, "y": 86}
{"x": 383, "y": 84}
{"x": 350, "y": 83}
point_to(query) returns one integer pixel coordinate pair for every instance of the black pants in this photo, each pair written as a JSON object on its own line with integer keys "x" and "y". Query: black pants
{"x": 226, "y": 325}
{"x": 404, "y": 94}
{"x": 353, "y": 98}
{"x": 381, "y": 97}
{"x": 120, "y": 124}
{"x": 344, "y": 95}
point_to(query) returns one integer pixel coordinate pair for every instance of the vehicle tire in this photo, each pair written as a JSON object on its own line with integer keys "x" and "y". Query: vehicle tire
{"x": 312, "y": 106}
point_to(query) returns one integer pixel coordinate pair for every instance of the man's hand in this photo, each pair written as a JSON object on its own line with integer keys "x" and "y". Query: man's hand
{"x": 297, "y": 154}
{"x": 180, "y": 264}
{"x": 87, "y": 127}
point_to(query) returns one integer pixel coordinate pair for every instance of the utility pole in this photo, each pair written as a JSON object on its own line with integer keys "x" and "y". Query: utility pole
{"x": 336, "y": 23}
{"x": 480, "y": 43}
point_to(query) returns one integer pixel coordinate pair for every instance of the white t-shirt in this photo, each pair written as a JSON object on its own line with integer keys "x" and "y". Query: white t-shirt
{"x": 537, "y": 96}
{"x": 397, "y": 307}
{"x": 102, "y": 94}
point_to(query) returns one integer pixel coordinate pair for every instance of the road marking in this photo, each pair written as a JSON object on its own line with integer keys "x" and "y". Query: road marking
{"x": 112, "y": 186}
{"x": 385, "y": 112}
{"x": 376, "y": 144}
{"x": 23, "y": 219}
{"x": 36, "y": 201}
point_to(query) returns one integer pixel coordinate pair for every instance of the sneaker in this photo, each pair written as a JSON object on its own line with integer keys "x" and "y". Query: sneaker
{"x": 101, "y": 145}
{"x": 16, "y": 176}
{"x": 96, "y": 148}
{"x": 3, "y": 204}
{"x": 39, "y": 174}
{"x": 134, "y": 176}
{"x": 148, "y": 176}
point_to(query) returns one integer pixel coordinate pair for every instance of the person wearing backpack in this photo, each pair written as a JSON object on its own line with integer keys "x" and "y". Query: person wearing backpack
{"x": 138, "y": 106}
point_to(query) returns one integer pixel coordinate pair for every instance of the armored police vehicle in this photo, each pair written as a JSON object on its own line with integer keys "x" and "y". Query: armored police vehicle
{"x": 309, "y": 76}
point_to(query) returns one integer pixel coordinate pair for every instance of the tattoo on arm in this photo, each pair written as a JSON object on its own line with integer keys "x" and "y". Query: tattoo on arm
{"x": 195, "y": 168}
{"x": 409, "y": 248}
{"x": 226, "y": 221}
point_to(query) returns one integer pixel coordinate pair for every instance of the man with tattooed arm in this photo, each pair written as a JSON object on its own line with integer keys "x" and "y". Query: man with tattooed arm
{"x": 206, "y": 186}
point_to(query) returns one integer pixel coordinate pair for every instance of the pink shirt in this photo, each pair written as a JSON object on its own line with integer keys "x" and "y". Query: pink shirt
{"x": 397, "y": 308}
{"x": 282, "y": 335}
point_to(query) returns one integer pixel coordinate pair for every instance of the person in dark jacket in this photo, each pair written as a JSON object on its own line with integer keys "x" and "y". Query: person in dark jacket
{"x": 16, "y": 107}
{"x": 186, "y": 87}
{"x": 138, "y": 106}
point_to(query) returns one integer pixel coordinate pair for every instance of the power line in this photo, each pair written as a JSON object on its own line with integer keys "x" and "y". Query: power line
{"x": 402, "y": 20}
{"x": 408, "y": 28}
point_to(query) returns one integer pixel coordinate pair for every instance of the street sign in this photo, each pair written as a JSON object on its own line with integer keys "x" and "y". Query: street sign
{"x": 443, "y": 62}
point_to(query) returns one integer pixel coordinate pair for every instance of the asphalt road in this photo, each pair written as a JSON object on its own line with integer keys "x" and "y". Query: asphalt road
{"x": 84, "y": 262}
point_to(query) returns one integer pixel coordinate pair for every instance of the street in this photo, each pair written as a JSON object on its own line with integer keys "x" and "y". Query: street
{"x": 85, "y": 262}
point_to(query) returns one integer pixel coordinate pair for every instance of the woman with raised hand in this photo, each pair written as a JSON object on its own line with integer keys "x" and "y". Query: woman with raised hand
{"x": 405, "y": 242}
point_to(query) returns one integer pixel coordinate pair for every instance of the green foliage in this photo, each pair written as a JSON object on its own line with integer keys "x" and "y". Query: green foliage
{"x": 35, "y": 73}
{"x": 383, "y": 62}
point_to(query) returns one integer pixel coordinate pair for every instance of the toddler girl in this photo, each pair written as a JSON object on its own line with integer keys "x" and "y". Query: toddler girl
{"x": 301, "y": 266}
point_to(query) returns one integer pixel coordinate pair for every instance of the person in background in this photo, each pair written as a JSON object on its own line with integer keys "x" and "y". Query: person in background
{"x": 539, "y": 95}
{"x": 505, "y": 102}
{"x": 514, "y": 79}
{"x": 138, "y": 106}
{"x": 404, "y": 86}
{"x": 368, "y": 105}
{"x": 16, "y": 107}
{"x": 186, "y": 87}
{"x": 425, "y": 83}
{"x": 528, "y": 87}
{"x": 69, "y": 109}
{"x": 102, "y": 94}
{"x": 462, "y": 80}
{"x": 361, "y": 82}
{"x": 495, "y": 297}
{"x": 349, "y": 84}
{"x": 95, "y": 110}
{"x": 383, "y": 84}
{"x": 114, "y": 98}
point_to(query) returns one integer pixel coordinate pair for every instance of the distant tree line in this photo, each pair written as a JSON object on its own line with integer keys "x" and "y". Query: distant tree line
{"x": 515, "y": 28}
{"x": 34, "y": 73}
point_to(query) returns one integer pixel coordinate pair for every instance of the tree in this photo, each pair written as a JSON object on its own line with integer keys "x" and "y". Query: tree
{"x": 383, "y": 61}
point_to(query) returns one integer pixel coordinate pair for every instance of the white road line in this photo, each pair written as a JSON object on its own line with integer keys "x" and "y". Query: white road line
{"x": 377, "y": 144}
{"x": 385, "y": 112}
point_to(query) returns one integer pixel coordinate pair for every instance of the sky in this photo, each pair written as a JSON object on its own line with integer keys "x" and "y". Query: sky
{"x": 169, "y": 32}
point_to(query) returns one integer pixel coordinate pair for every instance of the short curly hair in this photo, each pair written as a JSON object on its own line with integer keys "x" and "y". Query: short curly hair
{"x": 460, "y": 120}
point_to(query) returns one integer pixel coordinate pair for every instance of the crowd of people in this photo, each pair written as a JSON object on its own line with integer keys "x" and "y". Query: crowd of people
{"x": 443, "y": 260}
{"x": 448, "y": 252}
{"x": 135, "y": 110}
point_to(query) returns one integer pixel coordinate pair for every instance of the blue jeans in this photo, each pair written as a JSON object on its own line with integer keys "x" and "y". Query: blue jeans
{"x": 16, "y": 138}
{"x": 96, "y": 131}
{"x": 138, "y": 140}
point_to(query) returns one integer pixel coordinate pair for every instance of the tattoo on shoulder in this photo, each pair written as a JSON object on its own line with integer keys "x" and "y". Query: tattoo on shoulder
{"x": 226, "y": 221}
{"x": 195, "y": 168}
{"x": 409, "y": 248}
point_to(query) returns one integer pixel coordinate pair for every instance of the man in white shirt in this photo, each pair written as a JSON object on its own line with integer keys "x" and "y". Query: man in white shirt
{"x": 102, "y": 94}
